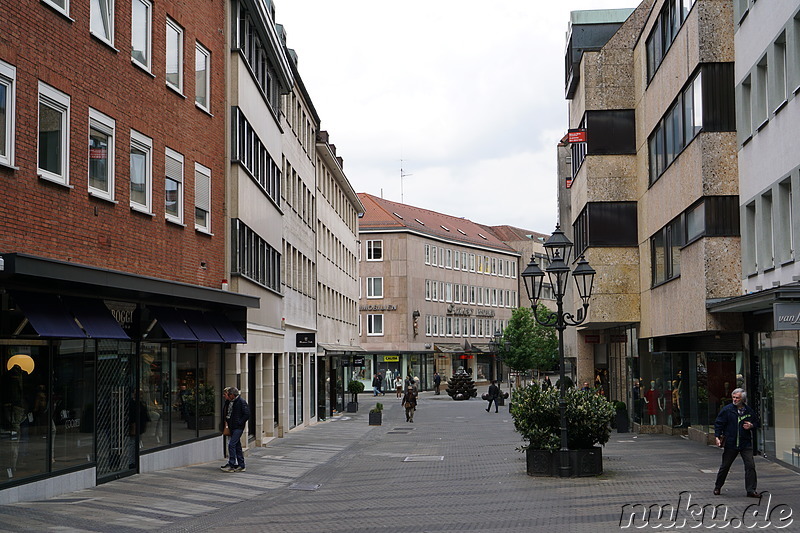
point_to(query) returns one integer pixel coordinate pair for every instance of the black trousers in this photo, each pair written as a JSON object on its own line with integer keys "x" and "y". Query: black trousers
{"x": 490, "y": 404}
{"x": 750, "y": 477}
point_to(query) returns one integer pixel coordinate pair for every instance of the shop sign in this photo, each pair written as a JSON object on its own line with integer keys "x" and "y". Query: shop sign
{"x": 591, "y": 339}
{"x": 787, "y": 316}
{"x": 576, "y": 135}
{"x": 465, "y": 356}
{"x": 358, "y": 361}
{"x": 391, "y": 358}
{"x": 306, "y": 340}
{"x": 378, "y": 308}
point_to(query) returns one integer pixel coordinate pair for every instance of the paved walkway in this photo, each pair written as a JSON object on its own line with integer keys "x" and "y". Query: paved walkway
{"x": 454, "y": 469}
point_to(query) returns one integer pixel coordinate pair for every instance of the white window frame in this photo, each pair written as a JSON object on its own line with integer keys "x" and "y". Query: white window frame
{"x": 428, "y": 325}
{"x": 456, "y": 261}
{"x": 202, "y": 196}
{"x": 175, "y": 27}
{"x": 107, "y": 20}
{"x": 144, "y": 144}
{"x": 147, "y": 64}
{"x": 201, "y": 52}
{"x": 375, "y": 325}
{"x": 105, "y": 125}
{"x": 427, "y": 254}
{"x": 61, "y": 9}
{"x": 8, "y": 79}
{"x": 428, "y": 290}
{"x": 60, "y": 102}
{"x": 371, "y": 247}
{"x": 434, "y": 256}
{"x": 173, "y": 174}
{"x": 374, "y": 287}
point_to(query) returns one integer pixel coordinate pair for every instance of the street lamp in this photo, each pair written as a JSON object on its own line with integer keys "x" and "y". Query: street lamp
{"x": 497, "y": 345}
{"x": 558, "y": 248}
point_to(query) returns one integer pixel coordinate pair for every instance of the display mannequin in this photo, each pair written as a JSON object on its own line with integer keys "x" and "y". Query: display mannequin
{"x": 651, "y": 400}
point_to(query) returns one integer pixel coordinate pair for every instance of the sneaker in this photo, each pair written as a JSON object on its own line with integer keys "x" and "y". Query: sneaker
{"x": 239, "y": 469}
{"x": 228, "y": 468}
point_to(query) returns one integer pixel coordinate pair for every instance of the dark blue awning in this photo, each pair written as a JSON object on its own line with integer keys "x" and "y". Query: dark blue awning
{"x": 96, "y": 319}
{"x": 201, "y": 327}
{"x": 226, "y": 329}
{"x": 47, "y": 315}
{"x": 172, "y": 324}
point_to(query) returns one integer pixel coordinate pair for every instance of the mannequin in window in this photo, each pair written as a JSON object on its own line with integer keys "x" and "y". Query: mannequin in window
{"x": 651, "y": 400}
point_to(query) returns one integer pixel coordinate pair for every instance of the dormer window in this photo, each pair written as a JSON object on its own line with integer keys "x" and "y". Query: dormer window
{"x": 462, "y": 232}
{"x": 398, "y": 216}
{"x": 482, "y": 236}
{"x": 444, "y": 227}
{"x": 421, "y": 223}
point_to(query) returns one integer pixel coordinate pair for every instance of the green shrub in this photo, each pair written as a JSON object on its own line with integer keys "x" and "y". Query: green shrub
{"x": 537, "y": 419}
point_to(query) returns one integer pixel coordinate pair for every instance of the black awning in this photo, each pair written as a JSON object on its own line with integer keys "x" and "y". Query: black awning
{"x": 225, "y": 328}
{"x": 95, "y": 318}
{"x": 172, "y": 324}
{"x": 47, "y": 315}
{"x": 201, "y": 327}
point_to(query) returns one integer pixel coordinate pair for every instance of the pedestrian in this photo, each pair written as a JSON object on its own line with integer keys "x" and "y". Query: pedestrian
{"x": 437, "y": 382}
{"x": 546, "y": 384}
{"x": 376, "y": 384}
{"x": 585, "y": 387}
{"x": 409, "y": 401}
{"x": 733, "y": 430}
{"x": 494, "y": 392}
{"x": 398, "y": 386}
{"x": 236, "y": 416}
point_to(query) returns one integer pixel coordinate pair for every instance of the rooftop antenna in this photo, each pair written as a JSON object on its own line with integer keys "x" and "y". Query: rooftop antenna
{"x": 402, "y": 175}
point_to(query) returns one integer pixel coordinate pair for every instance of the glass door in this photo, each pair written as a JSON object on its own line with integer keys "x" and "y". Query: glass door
{"x": 116, "y": 429}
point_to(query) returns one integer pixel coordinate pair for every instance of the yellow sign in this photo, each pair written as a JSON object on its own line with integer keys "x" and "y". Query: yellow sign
{"x": 391, "y": 358}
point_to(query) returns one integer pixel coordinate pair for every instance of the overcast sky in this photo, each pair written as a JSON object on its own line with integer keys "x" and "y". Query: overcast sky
{"x": 468, "y": 94}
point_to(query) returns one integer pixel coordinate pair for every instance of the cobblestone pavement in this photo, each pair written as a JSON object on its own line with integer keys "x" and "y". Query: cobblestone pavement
{"x": 454, "y": 469}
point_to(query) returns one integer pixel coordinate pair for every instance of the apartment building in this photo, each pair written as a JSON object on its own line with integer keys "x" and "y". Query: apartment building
{"x": 653, "y": 199}
{"x": 112, "y": 315}
{"x": 767, "y": 78}
{"x": 434, "y": 290}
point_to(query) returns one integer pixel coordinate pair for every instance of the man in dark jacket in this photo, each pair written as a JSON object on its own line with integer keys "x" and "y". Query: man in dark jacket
{"x": 236, "y": 415}
{"x": 733, "y": 430}
{"x": 494, "y": 392}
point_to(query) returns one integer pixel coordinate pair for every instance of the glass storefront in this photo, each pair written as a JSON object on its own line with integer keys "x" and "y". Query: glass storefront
{"x": 779, "y": 358}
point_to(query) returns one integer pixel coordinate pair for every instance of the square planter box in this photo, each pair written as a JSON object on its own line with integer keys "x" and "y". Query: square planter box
{"x": 583, "y": 463}
{"x": 375, "y": 419}
{"x": 352, "y": 407}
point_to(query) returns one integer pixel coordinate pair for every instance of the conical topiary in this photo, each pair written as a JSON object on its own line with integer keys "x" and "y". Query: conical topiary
{"x": 461, "y": 386}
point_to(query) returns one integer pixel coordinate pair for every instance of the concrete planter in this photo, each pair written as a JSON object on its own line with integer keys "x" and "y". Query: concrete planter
{"x": 352, "y": 407}
{"x": 583, "y": 463}
{"x": 375, "y": 419}
{"x": 621, "y": 421}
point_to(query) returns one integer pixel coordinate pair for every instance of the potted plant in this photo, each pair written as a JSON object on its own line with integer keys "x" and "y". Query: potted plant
{"x": 200, "y": 406}
{"x": 376, "y": 414}
{"x": 621, "y": 417}
{"x": 354, "y": 388}
{"x": 537, "y": 419}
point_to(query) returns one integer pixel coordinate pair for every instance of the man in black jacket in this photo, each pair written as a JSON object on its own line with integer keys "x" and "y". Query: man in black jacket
{"x": 733, "y": 430}
{"x": 494, "y": 392}
{"x": 236, "y": 415}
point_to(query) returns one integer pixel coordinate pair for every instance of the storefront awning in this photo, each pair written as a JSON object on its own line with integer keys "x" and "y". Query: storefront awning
{"x": 340, "y": 348}
{"x": 200, "y": 326}
{"x": 446, "y": 347}
{"x": 95, "y": 318}
{"x": 485, "y": 348}
{"x": 47, "y": 315}
{"x": 173, "y": 325}
{"x": 225, "y": 328}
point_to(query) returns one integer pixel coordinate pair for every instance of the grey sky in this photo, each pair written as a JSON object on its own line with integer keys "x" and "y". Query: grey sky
{"x": 469, "y": 94}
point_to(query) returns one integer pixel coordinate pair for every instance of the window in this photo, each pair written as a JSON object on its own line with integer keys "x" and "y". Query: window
{"x": 781, "y": 89}
{"x": 427, "y": 254}
{"x": 448, "y": 258}
{"x": 141, "y": 172}
{"x": 53, "y": 134}
{"x": 428, "y": 289}
{"x": 202, "y": 198}
{"x": 744, "y": 115}
{"x": 665, "y": 248}
{"x": 254, "y": 258}
{"x": 251, "y": 154}
{"x": 374, "y": 287}
{"x": 456, "y": 260}
{"x": 375, "y": 325}
{"x": 141, "y": 33}
{"x": 449, "y": 326}
{"x": 669, "y": 21}
{"x": 59, "y": 5}
{"x": 173, "y": 186}
{"x": 433, "y": 256}
{"x": 428, "y": 328}
{"x": 441, "y": 257}
{"x": 102, "y": 20}
{"x": 761, "y": 107}
{"x": 448, "y": 292}
{"x": 8, "y": 80}
{"x": 374, "y": 250}
{"x": 434, "y": 290}
{"x": 784, "y": 251}
{"x": 101, "y": 155}
{"x": 174, "y": 56}
{"x": 202, "y": 76}
{"x": 472, "y": 262}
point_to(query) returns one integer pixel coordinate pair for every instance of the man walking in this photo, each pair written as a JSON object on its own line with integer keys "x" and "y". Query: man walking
{"x": 409, "y": 401}
{"x": 437, "y": 382}
{"x": 733, "y": 430}
{"x": 494, "y": 392}
{"x": 236, "y": 416}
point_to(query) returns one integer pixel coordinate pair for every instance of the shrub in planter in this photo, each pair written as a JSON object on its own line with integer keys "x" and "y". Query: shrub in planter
{"x": 354, "y": 388}
{"x": 537, "y": 420}
{"x": 376, "y": 415}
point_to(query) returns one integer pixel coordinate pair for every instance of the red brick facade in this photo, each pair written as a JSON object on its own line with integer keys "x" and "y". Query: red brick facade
{"x": 45, "y": 219}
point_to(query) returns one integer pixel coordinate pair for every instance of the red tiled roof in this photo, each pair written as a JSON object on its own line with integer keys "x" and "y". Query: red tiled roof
{"x": 380, "y": 214}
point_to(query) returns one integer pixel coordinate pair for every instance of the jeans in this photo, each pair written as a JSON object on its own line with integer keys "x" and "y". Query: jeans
{"x": 235, "y": 452}
{"x": 728, "y": 456}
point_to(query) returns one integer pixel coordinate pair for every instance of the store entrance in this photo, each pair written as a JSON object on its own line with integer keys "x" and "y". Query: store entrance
{"x": 116, "y": 411}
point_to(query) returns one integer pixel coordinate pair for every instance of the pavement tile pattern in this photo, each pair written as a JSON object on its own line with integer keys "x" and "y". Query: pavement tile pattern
{"x": 455, "y": 469}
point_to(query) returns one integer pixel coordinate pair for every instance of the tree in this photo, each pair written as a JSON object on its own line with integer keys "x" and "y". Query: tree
{"x": 528, "y": 345}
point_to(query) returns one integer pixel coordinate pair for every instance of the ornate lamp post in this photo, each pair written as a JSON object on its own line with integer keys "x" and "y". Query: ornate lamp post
{"x": 558, "y": 248}
{"x": 497, "y": 344}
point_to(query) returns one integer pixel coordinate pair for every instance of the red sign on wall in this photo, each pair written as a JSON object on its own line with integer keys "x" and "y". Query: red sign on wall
{"x": 576, "y": 136}
{"x": 591, "y": 339}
